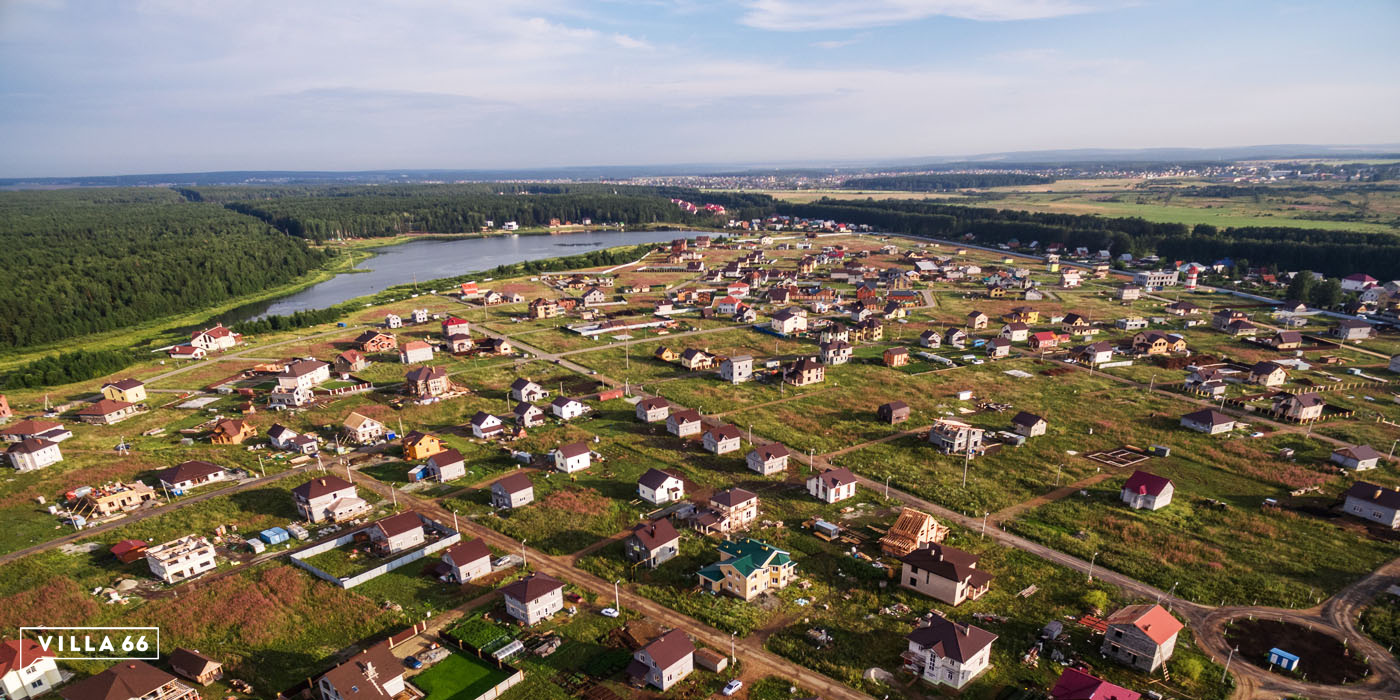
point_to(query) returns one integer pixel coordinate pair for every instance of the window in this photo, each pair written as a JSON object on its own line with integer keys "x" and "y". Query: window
{"x": 38, "y": 683}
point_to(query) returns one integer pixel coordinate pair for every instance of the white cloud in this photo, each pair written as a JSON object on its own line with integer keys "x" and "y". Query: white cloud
{"x": 806, "y": 15}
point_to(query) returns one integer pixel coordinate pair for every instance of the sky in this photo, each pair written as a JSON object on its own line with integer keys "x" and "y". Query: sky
{"x": 145, "y": 86}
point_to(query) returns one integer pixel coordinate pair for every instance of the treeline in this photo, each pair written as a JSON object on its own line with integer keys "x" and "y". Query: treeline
{"x": 85, "y": 261}
{"x": 1329, "y": 252}
{"x": 942, "y": 182}
{"x": 321, "y": 213}
{"x": 286, "y": 322}
{"x": 68, "y": 367}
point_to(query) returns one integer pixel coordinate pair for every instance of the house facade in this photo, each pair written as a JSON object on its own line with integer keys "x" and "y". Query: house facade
{"x": 737, "y": 369}
{"x": 27, "y": 670}
{"x": 466, "y": 561}
{"x": 1374, "y": 503}
{"x": 534, "y": 598}
{"x": 653, "y": 409}
{"x": 944, "y": 573}
{"x": 328, "y": 499}
{"x": 832, "y": 485}
{"x": 747, "y": 569}
{"x": 33, "y": 453}
{"x": 1146, "y": 491}
{"x": 652, "y": 543}
{"x": 658, "y": 487}
{"x": 721, "y": 439}
{"x": 768, "y": 459}
{"x": 948, "y": 653}
{"x": 664, "y": 662}
{"x": 1141, "y": 637}
{"x": 512, "y": 491}
{"x": 573, "y": 457}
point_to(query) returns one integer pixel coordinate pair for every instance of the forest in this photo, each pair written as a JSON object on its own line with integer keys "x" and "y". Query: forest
{"x": 84, "y": 261}
{"x": 943, "y": 182}
{"x": 68, "y": 367}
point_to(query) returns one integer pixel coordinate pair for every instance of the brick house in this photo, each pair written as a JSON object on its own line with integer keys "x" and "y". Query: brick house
{"x": 534, "y": 598}
{"x": 944, "y": 573}
{"x": 1141, "y": 637}
{"x": 832, "y": 485}
{"x": 652, "y": 543}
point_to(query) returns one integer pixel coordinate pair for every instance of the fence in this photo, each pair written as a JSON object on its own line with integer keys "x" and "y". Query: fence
{"x": 299, "y": 557}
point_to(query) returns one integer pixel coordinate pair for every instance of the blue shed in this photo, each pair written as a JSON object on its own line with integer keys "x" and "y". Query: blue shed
{"x": 1283, "y": 659}
{"x": 274, "y": 535}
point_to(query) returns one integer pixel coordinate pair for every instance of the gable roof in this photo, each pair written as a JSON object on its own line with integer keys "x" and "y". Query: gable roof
{"x": 125, "y": 680}
{"x": 124, "y": 384}
{"x": 836, "y": 477}
{"x": 1146, "y": 483}
{"x": 190, "y": 662}
{"x": 732, "y": 497}
{"x": 1027, "y": 419}
{"x": 189, "y": 471}
{"x": 670, "y": 648}
{"x": 397, "y": 524}
{"x": 655, "y": 479}
{"x": 748, "y": 554}
{"x": 29, "y": 427}
{"x": 424, "y": 374}
{"x": 12, "y": 650}
{"x": 772, "y": 450}
{"x": 29, "y": 446}
{"x": 532, "y": 587}
{"x": 103, "y": 407}
{"x": 947, "y": 562}
{"x": 482, "y": 418}
{"x": 1359, "y": 452}
{"x": 895, "y": 406}
{"x": 522, "y": 383}
{"x": 355, "y": 420}
{"x": 351, "y": 679}
{"x": 322, "y": 486}
{"x": 1075, "y": 684}
{"x": 562, "y": 401}
{"x": 724, "y": 431}
{"x": 1153, "y": 620}
{"x": 655, "y": 534}
{"x": 302, "y": 368}
{"x": 1208, "y": 416}
{"x": 573, "y": 449}
{"x": 952, "y": 640}
{"x": 515, "y": 483}
{"x": 684, "y": 416}
{"x": 1371, "y": 493}
{"x": 446, "y": 457}
{"x": 653, "y": 403}
{"x": 468, "y": 551}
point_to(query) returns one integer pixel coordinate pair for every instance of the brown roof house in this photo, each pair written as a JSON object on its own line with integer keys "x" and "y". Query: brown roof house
{"x": 194, "y": 473}
{"x": 466, "y": 561}
{"x": 425, "y": 382}
{"x": 373, "y": 674}
{"x": 128, "y": 390}
{"x": 1141, "y": 636}
{"x": 730, "y": 510}
{"x": 534, "y": 598}
{"x": 913, "y": 529}
{"x": 1372, "y": 502}
{"x": 955, "y": 437}
{"x": 652, "y": 543}
{"x": 1267, "y": 374}
{"x": 945, "y": 573}
{"x": 1028, "y": 424}
{"x": 106, "y": 412}
{"x": 374, "y": 341}
{"x": 683, "y": 423}
{"x": 1298, "y": 407}
{"x": 512, "y": 491}
{"x": 33, "y": 453}
{"x": 328, "y": 498}
{"x": 573, "y": 457}
{"x": 664, "y": 662}
{"x": 362, "y": 429}
{"x": 1149, "y": 491}
{"x": 444, "y": 466}
{"x": 396, "y": 533}
{"x": 894, "y": 412}
{"x": 832, "y": 485}
{"x": 658, "y": 487}
{"x": 195, "y": 666}
{"x": 768, "y": 459}
{"x": 948, "y": 653}
{"x": 653, "y": 409}
{"x": 1208, "y": 421}
{"x": 1357, "y": 458}
{"x": 803, "y": 372}
{"x": 721, "y": 439}
{"x": 130, "y": 680}
{"x": 895, "y": 357}
{"x": 528, "y": 415}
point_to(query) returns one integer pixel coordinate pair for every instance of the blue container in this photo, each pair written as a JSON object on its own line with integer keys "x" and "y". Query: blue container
{"x": 274, "y": 535}
{"x": 1283, "y": 659}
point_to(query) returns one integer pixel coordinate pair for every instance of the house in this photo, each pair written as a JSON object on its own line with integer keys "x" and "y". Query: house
{"x": 416, "y": 352}
{"x": 302, "y": 376}
{"x": 945, "y": 573}
{"x": 106, "y": 412}
{"x": 1028, "y": 424}
{"x": 931, "y": 339}
{"x": 497, "y": 347}
{"x": 658, "y": 487}
{"x": 485, "y": 425}
{"x": 731, "y": 509}
{"x": 1207, "y": 381}
{"x": 955, "y": 337}
{"x": 125, "y": 390}
{"x": 976, "y": 320}
{"x": 683, "y": 423}
{"x": 693, "y": 359}
{"x": 895, "y": 357}
{"x": 1158, "y": 343}
{"x": 373, "y": 341}
{"x": 545, "y": 308}
{"x": 913, "y": 529}
{"x": 789, "y": 321}
{"x": 1182, "y": 308}
{"x": 747, "y": 569}
{"x": 1372, "y": 502}
{"x": 1075, "y": 324}
{"x": 192, "y": 474}
{"x": 512, "y": 491}
{"x": 180, "y": 559}
{"x": 1130, "y": 323}
{"x": 1350, "y": 329}
{"x": 350, "y": 361}
{"x": 1267, "y": 374}
{"x": 832, "y": 485}
{"x": 328, "y": 498}
{"x": 1144, "y": 490}
{"x": 1156, "y": 279}
{"x": 195, "y": 666}
{"x": 33, "y": 453}
{"x": 955, "y": 437}
{"x": 466, "y": 561}
{"x": 836, "y": 352}
{"x": 25, "y": 429}
{"x": 396, "y": 533}
{"x": 27, "y": 670}
{"x": 665, "y": 354}
{"x": 665, "y": 662}
{"x": 459, "y": 343}
{"x": 1094, "y": 353}
{"x": 130, "y": 680}
{"x": 1024, "y": 314}
{"x": 996, "y": 291}
{"x": 525, "y": 390}
{"x": 455, "y": 326}
{"x": 1015, "y": 332}
{"x": 528, "y": 415}
{"x": 362, "y": 429}
{"x": 444, "y": 466}
{"x": 1044, "y": 340}
{"x": 736, "y": 369}
{"x": 652, "y": 409}
{"x": 214, "y": 339}
{"x": 185, "y": 352}
{"x": 721, "y": 439}
{"x": 652, "y": 543}
{"x": 372, "y": 674}
{"x": 803, "y": 372}
{"x": 118, "y": 498}
{"x": 573, "y": 457}
{"x": 1208, "y": 421}
{"x": 998, "y": 347}
{"x": 1358, "y": 458}
{"x": 426, "y": 382}
{"x": 1285, "y": 340}
{"x": 534, "y": 598}
{"x": 1241, "y": 328}
{"x": 1129, "y": 293}
{"x": 565, "y": 408}
{"x": 768, "y": 459}
{"x": 1298, "y": 407}
{"x": 232, "y": 432}
{"x": 1222, "y": 319}
{"x": 948, "y": 653}
{"x": 128, "y": 551}
{"x": 1141, "y": 636}
{"x": 1358, "y": 282}
{"x": 418, "y": 445}
{"x": 1075, "y": 684}
{"x": 1070, "y": 278}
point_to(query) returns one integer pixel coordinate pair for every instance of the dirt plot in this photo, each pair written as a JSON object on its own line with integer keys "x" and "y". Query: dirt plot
{"x": 1322, "y": 659}
{"x": 1121, "y": 457}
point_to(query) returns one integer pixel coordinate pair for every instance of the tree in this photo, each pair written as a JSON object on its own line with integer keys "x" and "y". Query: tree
{"x": 1095, "y": 600}
{"x": 1191, "y": 667}
{"x": 1301, "y": 286}
{"x": 1328, "y": 294}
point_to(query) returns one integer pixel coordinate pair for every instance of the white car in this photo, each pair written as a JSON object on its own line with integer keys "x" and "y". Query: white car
{"x": 609, "y": 612}
{"x": 732, "y": 687}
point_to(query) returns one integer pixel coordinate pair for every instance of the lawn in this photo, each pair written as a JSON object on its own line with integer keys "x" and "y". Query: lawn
{"x": 459, "y": 677}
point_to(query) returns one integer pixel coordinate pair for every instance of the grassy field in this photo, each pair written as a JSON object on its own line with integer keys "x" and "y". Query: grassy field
{"x": 459, "y": 677}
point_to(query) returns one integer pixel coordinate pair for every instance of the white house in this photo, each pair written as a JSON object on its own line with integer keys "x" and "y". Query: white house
{"x": 534, "y": 598}
{"x": 566, "y": 408}
{"x": 33, "y": 453}
{"x": 947, "y": 653}
{"x": 736, "y": 369}
{"x": 832, "y": 485}
{"x": 1147, "y": 491}
{"x": 658, "y": 487}
{"x": 27, "y": 670}
{"x": 1208, "y": 421}
{"x": 179, "y": 559}
{"x": 768, "y": 459}
{"x": 721, "y": 439}
{"x": 573, "y": 457}
{"x": 1372, "y": 502}
{"x": 525, "y": 390}
{"x": 373, "y": 673}
{"x": 485, "y": 425}
{"x": 664, "y": 662}
{"x": 1358, "y": 458}
{"x": 466, "y": 561}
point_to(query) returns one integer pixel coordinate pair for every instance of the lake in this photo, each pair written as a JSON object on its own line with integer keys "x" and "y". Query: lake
{"x": 431, "y": 259}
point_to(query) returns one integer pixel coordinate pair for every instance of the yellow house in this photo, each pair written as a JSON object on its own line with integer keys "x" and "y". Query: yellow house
{"x": 128, "y": 390}
{"x": 417, "y": 446}
{"x": 1023, "y": 314}
{"x": 748, "y": 569}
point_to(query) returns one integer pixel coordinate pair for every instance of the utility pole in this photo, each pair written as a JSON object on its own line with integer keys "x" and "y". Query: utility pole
{"x": 984, "y": 524}
{"x": 1091, "y": 569}
{"x": 617, "y": 600}
{"x": 887, "y": 486}
{"x": 522, "y": 552}
{"x": 967, "y": 457}
{"x": 1228, "y": 659}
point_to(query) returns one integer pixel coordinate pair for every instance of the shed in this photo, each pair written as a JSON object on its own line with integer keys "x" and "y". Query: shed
{"x": 830, "y": 530}
{"x": 257, "y": 546}
{"x": 1283, "y": 659}
{"x": 711, "y": 660}
{"x": 274, "y": 535}
{"x": 1052, "y": 630}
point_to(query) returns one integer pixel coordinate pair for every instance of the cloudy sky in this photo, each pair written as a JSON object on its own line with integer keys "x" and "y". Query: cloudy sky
{"x": 89, "y": 87}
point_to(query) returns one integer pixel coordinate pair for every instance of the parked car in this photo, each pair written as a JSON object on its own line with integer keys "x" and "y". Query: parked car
{"x": 412, "y": 662}
{"x": 609, "y": 612}
{"x": 733, "y": 686}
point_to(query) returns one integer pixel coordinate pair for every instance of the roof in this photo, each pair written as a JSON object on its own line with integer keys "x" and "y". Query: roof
{"x": 13, "y": 649}
{"x": 772, "y": 450}
{"x": 351, "y": 679}
{"x": 526, "y": 407}
{"x": 562, "y": 401}
{"x": 895, "y": 406}
{"x": 468, "y": 551}
{"x": 806, "y": 364}
{"x": 1144, "y": 483}
{"x": 1027, "y": 419}
{"x": 482, "y": 417}
{"x": 1208, "y": 416}
{"x": 749, "y": 554}
{"x": 417, "y": 437}
{"x": 125, "y": 680}
{"x": 322, "y": 486}
{"x": 29, "y": 427}
{"x": 302, "y": 367}
{"x": 191, "y": 662}
{"x": 397, "y": 524}
{"x": 723, "y": 432}
{"x": 947, "y": 562}
{"x": 670, "y": 648}
{"x": 104, "y": 407}
{"x": 355, "y": 420}
{"x": 446, "y": 457}
{"x": 573, "y": 449}
{"x": 124, "y": 384}
{"x": 1044, "y": 336}
{"x": 1153, "y": 620}
{"x": 656, "y": 533}
{"x": 522, "y": 383}
{"x": 119, "y": 549}
{"x": 515, "y": 483}
{"x": 836, "y": 477}
{"x": 1359, "y": 452}
{"x": 732, "y": 497}
{"x": 532, "y": 587}
{"x": 654, "y": 478}
{"x": 952, "y": 640}
{"x": 1016, "y": 326}
{"x": 685, "y": 416}
{"x": 416, "y": 345}
{"x": 29, "y": 446}
{"x": 351, "y": 356}
{"x": 1308, "y": 399}
{"x": 424, "y": 374}
{"x": 277, "y": 431}
{"x": 1352, "y": 323}
{"x": 370, "y": 335}
{"x": 1371, "y": 493}
{"x": 192, "y": 470}
{"x": 1075, "y": 684}
{"x": 653, "y": 403}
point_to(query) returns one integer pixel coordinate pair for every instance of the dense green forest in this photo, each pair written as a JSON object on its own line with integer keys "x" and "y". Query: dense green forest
{"x": 1329, "y": 252}
{"x": 68, "y": 367}
{"x": 321, "y": 213}
{"x": 90, "y": 260}
{"x": 943, "y": 182}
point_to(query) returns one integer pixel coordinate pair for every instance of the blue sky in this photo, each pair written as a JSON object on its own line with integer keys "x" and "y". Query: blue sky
{"x": 92, "y": 87}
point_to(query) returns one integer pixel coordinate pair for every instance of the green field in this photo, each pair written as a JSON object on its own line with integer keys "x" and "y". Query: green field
{"x": 459, "y": 677}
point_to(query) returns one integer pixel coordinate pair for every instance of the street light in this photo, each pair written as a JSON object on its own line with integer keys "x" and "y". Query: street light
{"x": 1227, "y": 663}
{"x": 617, "y": 601}
{"x": 1091, "y": 565}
